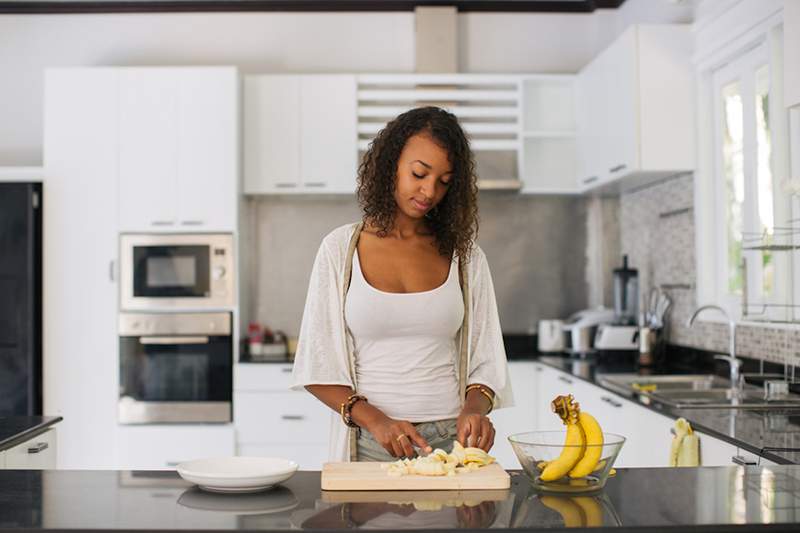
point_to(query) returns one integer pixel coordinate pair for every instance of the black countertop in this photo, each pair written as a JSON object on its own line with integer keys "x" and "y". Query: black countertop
{"x": 771, "y": 433}
{"x": 16, "y": 429}
{"x": 643, "y": 499}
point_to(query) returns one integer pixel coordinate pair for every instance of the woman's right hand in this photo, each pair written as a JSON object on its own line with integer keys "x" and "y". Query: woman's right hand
{"x": 397, "y": 436}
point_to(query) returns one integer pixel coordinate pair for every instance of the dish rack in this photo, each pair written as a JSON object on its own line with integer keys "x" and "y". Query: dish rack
{"x": 782, "y": 239}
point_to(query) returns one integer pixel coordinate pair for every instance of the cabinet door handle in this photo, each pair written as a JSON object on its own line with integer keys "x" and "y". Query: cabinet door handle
{"x": 38, "y": 447}
{"x": 191, "y": 222}
{"x": 292, "y": 417}
{"x": 111, "y": 270}
{"x": 162, "y": 223}
{"x": 590, "y": 179}
{"x": 286, "y": 370}
{"x": 617, "y": 168}
{"x": 285, "y": 185}
{"x": 565, "y": 380}
{"x": 739, "y": 460}
{"x": 315, "y": 184}
{"x": 611, "y": 401}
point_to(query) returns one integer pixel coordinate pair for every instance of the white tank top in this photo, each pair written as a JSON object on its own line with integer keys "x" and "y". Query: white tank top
{"x": 405, "y": 347}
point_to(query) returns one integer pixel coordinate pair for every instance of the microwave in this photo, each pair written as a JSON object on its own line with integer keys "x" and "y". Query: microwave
{"x": 160, "y": 272}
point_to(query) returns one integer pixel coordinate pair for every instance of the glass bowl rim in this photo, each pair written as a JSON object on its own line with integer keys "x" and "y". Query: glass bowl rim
{"x": 618, "y": 440}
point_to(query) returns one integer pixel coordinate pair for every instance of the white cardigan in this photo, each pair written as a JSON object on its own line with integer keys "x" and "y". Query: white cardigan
{"x": 325, "y": 345}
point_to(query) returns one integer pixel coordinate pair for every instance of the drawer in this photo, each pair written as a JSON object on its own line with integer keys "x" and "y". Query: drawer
{"x": 38, "y": 453}
{"x": 160, "y": 447}
{"x": 280, "y": 417}
{"x": 308, "y": 456}
{"x": 262, "y": 377}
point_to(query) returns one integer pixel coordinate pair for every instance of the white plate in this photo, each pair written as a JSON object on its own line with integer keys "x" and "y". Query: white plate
{"x": 237, "y": 474}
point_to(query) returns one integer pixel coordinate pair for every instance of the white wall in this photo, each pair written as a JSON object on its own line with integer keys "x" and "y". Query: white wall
{"x": 285, "y": 42}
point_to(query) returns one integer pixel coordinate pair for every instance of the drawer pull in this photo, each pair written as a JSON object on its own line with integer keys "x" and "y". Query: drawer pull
{"x": 192, "y": 222}
{"x": 286, "y": 370}
{"x": 38, "y": 447}
{"x": 292, "y": 417}
{"x": 611, "y": 402}
{"x": 739, "y": 460}
{"x": 162, "y": 223}
{"x": 315, "y": 184}
{"x": 565, "y": 380}
{"x": 617, "y": 168}
{"x": 285, "y": 185}
{"x": 590, "y": 179}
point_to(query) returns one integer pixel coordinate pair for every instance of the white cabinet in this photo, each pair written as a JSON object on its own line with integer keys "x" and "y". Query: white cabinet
{"x": 36, "y": 453}
{"x": 520, "y": 417}
{"x": 647, "y": 432}
{"x": 80, "y": 343}
{"x": 271, "y": 420}
{"x": 634, "y": 107}
{"x": 178, "y": 155}
{"x": 163, "y": 446}
{"x": 300, "y": 134}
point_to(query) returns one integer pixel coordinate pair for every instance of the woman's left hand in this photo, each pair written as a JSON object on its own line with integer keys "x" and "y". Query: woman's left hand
{"x": 475, "y": 429}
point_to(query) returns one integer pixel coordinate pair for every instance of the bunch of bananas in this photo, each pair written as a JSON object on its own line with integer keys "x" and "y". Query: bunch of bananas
{"x": 576, "y": 511}
{"x": 583, "y": 445}
{"x": 441, "y": 463}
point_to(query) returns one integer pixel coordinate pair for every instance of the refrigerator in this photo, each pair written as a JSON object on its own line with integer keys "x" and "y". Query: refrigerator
{"x": 20, "y": 299}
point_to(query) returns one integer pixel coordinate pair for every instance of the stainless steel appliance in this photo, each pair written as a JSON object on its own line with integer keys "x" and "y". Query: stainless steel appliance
{"x": 176, "y": 271}
{"x": 580, "y": 329}
{"x": 626, "y": 294}
{"x": 175, "y": 367}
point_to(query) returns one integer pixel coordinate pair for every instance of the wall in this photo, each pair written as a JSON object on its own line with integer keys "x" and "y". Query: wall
{"x": 535, "y": 254}
{"x": 658, "y": 232}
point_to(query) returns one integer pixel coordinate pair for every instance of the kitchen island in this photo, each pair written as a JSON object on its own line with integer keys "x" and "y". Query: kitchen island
{"x": 695, "y": 499}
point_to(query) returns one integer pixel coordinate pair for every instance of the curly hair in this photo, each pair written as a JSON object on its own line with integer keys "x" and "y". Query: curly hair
{"x": 454, "y": 221}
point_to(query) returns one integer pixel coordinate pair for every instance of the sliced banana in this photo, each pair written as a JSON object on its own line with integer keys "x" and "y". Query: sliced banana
{"x": 441, "y": 463}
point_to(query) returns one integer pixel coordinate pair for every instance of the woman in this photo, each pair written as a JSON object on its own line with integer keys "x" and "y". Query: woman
{"x": 400, "y": 333}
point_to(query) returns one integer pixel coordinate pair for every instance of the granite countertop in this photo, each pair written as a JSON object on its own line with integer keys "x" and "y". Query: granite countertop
{"x": 771, "y": 433}
{"x": 640, "y": 499}
{"x": 16, "y": 429}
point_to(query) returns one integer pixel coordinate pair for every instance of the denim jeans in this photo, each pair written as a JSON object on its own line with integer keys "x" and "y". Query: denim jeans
{"x": 438, "y": 434}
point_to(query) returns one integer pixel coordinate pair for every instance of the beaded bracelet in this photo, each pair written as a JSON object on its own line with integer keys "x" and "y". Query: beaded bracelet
{"x": 483, "y": 390}
{"x": 346, "y": 406}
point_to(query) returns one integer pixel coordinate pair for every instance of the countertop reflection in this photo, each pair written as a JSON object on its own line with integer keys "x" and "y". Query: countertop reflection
{"x": 636, "y": 499}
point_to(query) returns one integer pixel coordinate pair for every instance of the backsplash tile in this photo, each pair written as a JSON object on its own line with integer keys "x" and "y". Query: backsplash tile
{"x": 657, "y": 228}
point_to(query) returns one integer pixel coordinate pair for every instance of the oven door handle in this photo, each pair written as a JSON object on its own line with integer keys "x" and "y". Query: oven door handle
{"x": 174, "y": 340}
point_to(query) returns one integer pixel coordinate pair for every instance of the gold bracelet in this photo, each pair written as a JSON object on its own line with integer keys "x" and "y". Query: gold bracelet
{"x": 483, "y": 390}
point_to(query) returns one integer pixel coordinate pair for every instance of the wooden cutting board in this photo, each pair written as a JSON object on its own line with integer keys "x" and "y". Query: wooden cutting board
{"x": 370, "y": 476}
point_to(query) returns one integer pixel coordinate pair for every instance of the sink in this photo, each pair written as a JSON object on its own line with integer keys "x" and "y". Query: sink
{"x": 751, "y": 397}
{"x": 636, "y": 383}
{"x": 694, "y": 391}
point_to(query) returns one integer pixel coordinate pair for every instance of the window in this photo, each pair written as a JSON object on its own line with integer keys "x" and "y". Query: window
{"x": 751, "y": 277}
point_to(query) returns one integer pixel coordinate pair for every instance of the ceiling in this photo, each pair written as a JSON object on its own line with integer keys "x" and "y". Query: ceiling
{"x": 135, "y": 6}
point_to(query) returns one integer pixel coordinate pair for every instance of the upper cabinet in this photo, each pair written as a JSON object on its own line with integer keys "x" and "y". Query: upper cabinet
{"x": 178, "y": 155}
{"x": 634, "y": 106}
{"x": 300, "y": 134}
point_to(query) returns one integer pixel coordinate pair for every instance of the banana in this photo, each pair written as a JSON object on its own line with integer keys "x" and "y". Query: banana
{"x": 570, "y": 512}
{"x": 592, "y": 510}
{"x": 575, "y": 443}
{"x": 681, "y": 429}
{"x": 594, "y": 446}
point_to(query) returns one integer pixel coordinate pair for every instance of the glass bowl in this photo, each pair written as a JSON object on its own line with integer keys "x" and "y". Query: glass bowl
{"x": 534, "y": 447}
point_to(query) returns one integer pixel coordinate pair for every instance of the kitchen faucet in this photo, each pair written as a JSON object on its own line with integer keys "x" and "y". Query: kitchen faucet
{"x": 736, "y": 382}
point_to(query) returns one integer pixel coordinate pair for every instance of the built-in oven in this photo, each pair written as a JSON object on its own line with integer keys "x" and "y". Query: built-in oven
{"x": 176, "y": 271}
{"x": 175, "y": 367}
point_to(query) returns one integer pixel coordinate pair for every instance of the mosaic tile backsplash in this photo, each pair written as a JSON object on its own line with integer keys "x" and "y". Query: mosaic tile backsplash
{"x": 657, "y": 228}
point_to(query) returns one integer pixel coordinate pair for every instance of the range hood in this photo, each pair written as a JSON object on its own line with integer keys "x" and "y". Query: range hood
{"x": 436, "y": 55}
